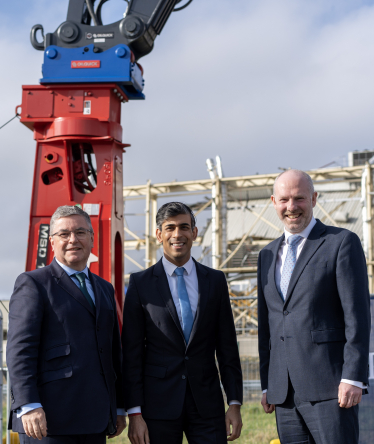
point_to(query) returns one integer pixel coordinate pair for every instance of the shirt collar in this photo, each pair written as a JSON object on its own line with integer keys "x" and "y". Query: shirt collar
{"x": 305, "y": 233}
{"x": 69, "y": 271}
{"x": 169, "y": 267}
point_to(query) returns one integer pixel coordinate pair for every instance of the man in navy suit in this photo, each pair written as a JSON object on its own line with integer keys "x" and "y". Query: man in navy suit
{"x": 63, "y": 351}
{"x": 313, "y": 321}
{"x": 177, "y": 319}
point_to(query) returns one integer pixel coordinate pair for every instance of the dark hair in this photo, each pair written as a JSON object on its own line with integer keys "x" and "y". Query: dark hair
{"x": 171, "y": 209}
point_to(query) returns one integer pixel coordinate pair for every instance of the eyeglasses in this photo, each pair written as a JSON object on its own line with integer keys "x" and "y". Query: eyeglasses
{"x": 80, "y": 234}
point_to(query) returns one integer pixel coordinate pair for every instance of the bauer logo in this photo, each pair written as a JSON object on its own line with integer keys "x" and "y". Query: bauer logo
{"x": 85, "y": 64}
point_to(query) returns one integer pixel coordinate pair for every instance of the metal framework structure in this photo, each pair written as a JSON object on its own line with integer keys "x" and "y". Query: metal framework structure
{"x": 244, "y": 303}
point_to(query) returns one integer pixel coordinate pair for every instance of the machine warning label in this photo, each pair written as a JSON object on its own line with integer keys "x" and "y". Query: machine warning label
{"x": 41, "y": 256}
{"x": 102, "y": 35}
{"x": 87, "y": 108}
{"x": 85, "y": 64}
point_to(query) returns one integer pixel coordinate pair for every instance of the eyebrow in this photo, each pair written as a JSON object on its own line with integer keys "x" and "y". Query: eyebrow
{"x": 185, "y": 224}
{"x": 79, "y": 228}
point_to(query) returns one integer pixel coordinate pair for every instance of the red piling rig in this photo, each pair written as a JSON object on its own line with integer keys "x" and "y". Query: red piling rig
{"x": 78, "y": 161}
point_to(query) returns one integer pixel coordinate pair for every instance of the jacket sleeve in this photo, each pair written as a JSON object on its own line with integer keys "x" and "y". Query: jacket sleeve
{"x": 133, "y": 346}
{"x": 25, "y": 321}
{"x": 352, "y": 283}
{"x": 227, "y": 349}
{"x": 263, "y": 330}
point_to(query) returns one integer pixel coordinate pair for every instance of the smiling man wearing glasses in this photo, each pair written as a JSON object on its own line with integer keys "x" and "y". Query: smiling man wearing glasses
{"x": 63, "y": 351}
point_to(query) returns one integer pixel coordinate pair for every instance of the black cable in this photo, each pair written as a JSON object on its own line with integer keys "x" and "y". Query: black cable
{"x": 182, "y": 7}
{"x": 9, "y": 121}
{"x": 91, "y": 11}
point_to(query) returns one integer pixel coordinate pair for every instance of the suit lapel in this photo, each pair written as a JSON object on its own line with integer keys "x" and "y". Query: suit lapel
{"x": 313, "y": 242}
{"x": 97, "y": 292}
{"x": 162, "y": 285}
{"x": 203, "y": 282}
{"x": 273, "y": 285}
{"x": 65, "y": 282}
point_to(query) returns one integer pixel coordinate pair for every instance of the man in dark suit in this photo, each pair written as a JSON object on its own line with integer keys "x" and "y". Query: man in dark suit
{"x": 177, "y": 317}
{"x": 314, "y": 321}
{"x": 64, "y": 351}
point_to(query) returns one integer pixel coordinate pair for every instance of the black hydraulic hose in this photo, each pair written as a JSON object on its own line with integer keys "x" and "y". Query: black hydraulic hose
{"x": 92, "y": 12}
{"x": 182, "y": 7}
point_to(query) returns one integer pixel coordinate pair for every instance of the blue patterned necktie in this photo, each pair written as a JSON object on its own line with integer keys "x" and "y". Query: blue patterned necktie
{"x": 289, "y": 264}
{"x": 82, "y": 282}
{"x": 187, "y": 318}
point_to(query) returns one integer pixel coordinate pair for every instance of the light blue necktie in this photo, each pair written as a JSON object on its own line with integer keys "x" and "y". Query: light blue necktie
{"x": 289, "y": 264}
{"x": 187, "y": 318}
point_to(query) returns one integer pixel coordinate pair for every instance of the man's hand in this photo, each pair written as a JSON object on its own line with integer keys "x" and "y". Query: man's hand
{"x": 268, "y": 408}
{"x": 233, "y": 422}
{"x": 349, "y": 395}
{"x": 121, "y": 425}
{"x": 138, "y": 430}
{"x": 35, "y": 423}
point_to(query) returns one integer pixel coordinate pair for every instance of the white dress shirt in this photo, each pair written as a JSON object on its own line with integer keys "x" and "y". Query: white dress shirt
{"x": 192, "y": 286}
{"x": 69, "y": 271}
{"x": 281, "y": 257}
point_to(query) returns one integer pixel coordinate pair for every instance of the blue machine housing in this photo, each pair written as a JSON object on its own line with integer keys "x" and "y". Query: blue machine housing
{"x": 114, "y": 67}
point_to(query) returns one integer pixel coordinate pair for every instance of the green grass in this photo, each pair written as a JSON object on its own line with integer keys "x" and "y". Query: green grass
{"x": 258, "y": 427}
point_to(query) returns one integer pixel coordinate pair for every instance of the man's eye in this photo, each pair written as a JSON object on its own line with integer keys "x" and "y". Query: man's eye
{"x": 80, "y": 233}
{"x": 64, "y": 235}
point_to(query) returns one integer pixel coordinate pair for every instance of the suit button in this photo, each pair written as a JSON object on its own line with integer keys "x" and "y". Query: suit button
{"x": 285, "y": 312}
{"x": 183, "y": 376}
{"x": 282, "y": 338}
{"x": 186, "y": 358}
{"x": 98, "y": 328}
{"x": 101, "y": 350}
{"x": 101, "y": 373}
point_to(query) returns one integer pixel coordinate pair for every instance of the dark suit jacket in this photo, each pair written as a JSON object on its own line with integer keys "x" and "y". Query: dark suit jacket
{"x": 61, "y": 355}
{"x": 157, "y": 363}
{"x": 320, "y": 334}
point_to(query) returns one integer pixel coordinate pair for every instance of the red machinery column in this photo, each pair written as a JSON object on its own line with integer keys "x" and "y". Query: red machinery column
{"x": 78, "y": 161}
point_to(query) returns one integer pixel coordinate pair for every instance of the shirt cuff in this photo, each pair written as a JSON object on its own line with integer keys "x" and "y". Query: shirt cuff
{"x": 264, "y": 391}
{"x": 234, "y": 402}
{"x": 134, "y": 410}
{"x": 355, "y": 383}
{"x": 121, "y": 412}
{"x": 27, "y": 408}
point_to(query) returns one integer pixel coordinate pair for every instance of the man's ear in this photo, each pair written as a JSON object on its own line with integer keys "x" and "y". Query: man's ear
{"x": 194, "y": 233}
{"x": 159, "y": 235}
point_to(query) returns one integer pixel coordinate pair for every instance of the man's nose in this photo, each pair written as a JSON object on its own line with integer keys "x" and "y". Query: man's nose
{"x": 73, "y": 238}
{"x": 176, "y": 232}
{"x": 291, "y": 205}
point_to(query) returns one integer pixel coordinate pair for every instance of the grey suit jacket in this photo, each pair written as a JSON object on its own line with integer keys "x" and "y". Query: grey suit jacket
{"x": 320, "y": 333}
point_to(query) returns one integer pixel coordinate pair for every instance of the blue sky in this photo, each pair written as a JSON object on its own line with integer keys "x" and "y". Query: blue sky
{"x": 264, "y": 84}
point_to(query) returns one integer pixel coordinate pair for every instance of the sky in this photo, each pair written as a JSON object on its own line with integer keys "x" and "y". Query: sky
{"x": 262, "y": 83}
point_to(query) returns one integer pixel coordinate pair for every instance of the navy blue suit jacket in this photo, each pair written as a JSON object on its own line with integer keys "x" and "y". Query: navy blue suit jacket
{"x": 62, "y": 355}
{"x": 320, "y": 334}
{"x": 157, "y": 363}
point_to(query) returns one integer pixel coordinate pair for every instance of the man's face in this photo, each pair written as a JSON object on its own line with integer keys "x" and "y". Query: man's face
{"x": 177, "y": 237}
{"x": 293, "y": 201}
{"x": 72, "y": 252}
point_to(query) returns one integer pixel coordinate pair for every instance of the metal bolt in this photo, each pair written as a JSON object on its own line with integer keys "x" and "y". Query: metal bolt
{"x": 114, "y": 90}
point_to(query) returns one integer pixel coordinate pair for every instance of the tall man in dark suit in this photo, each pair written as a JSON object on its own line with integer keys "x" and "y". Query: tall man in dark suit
{"x": 314, "y": 321}
{"x": 64, "y": 351}
{"x": 177, "y": 317}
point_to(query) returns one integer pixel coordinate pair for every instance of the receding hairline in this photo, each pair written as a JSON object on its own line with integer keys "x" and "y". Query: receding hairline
{"x": 300, "y": 173}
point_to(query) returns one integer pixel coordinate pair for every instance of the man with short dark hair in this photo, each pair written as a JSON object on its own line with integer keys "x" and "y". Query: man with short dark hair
{"x": 64, "y": 351}
{"x": 313, "y": 321}
{"x": 177, "y": 317}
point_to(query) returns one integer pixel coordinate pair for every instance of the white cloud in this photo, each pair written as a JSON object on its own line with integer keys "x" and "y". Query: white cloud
{"x": 262, "y": 83}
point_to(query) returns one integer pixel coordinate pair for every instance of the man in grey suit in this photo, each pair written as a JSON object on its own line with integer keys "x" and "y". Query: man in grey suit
{"x": 314, "y": 321}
